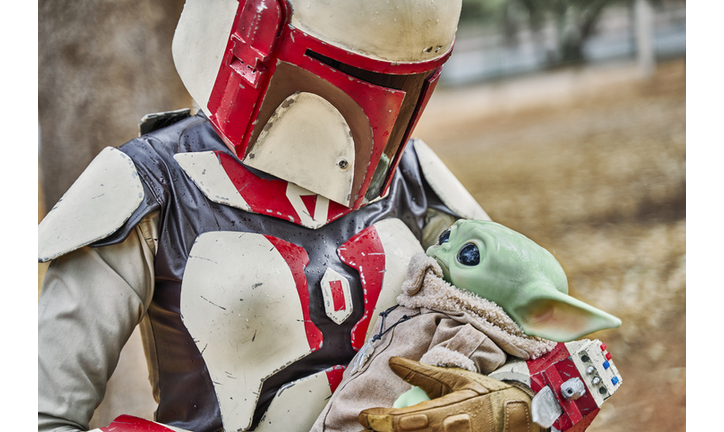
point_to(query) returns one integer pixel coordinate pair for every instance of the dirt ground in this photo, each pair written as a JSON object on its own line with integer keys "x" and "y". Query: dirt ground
{"x": 591, "y": 164}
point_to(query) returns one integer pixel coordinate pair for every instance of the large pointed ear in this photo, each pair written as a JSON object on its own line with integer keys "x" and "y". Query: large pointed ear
{"x": 562, "y": 318}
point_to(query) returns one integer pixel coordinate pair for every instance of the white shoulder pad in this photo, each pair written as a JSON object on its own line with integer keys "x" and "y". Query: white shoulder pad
{"x": 95, "y": 206}
{"x": 452, "y": 193}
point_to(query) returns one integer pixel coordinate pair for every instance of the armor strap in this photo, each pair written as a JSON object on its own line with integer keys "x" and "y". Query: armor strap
{"x": 155, "y": 121}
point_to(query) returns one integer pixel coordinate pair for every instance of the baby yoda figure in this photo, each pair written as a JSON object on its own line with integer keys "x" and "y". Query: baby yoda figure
{"x": 482, "y": 296}
{"x": 509, "y": 269}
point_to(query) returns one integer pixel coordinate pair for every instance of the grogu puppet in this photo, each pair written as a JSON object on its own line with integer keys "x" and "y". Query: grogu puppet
{"x": 524, "y": 279}
{"x": 509, "y": 269}
{"x": 483, "y": 295}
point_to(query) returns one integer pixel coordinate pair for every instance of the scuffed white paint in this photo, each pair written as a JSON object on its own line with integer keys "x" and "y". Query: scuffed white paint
{"x": 199, "y": 42}
{"x": 297, "y": 405}
{"x": 513, "y": 370}
{"x": 341, "y": 315}
{"x": 321, "y": 208}
{"x": 307, "y": 142}
{"x": 209, "y": 176}
{"x": 240, "y": 304}
{"x": 399, "y": 244}
{"x": 401, "y": 31}
{"x": 99, "y": 202}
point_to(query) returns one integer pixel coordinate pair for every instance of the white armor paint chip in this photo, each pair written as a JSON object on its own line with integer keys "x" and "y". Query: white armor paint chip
{"x": 95, "y": 206}
{"x": 545, "y": 408}
{"x": 313, "y": 220}
{"x": 513, "y": 370}
{"x": 337, "y": 296}
{"x": 452, "y": 193}
{"x": 323, "y": 155}
{"x": 297, "y": 405}
{"x": 240, "y": 303}
{"x": 209, "y": 176}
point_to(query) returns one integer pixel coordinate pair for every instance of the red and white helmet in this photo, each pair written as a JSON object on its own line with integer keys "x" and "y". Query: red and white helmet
{"x": 321, "y": 93}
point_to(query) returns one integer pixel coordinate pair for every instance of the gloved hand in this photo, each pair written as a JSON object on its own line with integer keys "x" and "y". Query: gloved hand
{"x": 461, "y": 401}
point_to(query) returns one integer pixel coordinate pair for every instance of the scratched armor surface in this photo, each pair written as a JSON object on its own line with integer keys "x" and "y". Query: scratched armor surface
{"x": 184, "y": 385}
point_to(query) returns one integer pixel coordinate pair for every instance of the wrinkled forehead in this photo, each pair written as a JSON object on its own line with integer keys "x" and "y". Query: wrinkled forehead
{"x": 506, "y": 246}
{"x": 499, "y": 239}
{"x": 484, "y": 230}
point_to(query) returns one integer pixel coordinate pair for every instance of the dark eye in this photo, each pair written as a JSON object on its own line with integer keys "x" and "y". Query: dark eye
{"x": 444, "y": 237}
{"x": 469, "y": 255}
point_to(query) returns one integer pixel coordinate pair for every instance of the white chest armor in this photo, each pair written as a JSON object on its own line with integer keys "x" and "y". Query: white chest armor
{"x": 245, "y": 303}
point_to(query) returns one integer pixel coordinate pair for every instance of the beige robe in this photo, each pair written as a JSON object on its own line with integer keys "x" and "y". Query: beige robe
{"x": 445, "y": 326}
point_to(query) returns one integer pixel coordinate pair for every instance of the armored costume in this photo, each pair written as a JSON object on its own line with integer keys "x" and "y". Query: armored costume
{"x": 294, "y": 302}
{"x": 256, "y": 241}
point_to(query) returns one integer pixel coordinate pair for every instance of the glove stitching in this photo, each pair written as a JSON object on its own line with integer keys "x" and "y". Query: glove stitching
{"x": 526, "y": 415}
{"x": 491, "y": 423}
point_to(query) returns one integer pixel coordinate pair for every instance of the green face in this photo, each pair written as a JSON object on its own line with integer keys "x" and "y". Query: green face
{"x": 506, "y": 267}
{"x": 495, "y": 262}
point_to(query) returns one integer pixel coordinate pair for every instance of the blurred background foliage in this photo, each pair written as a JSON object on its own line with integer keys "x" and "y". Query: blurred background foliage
{"x": 504, "y": 37}
{"x": 566, "y": 120}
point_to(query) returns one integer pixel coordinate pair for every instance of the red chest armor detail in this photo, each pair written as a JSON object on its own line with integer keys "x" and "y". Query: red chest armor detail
{"x": 365, "y": 253}
{"x": 281, "y": 199}
{"x": 296, "y": 258}
{"x": 245, "y": 301}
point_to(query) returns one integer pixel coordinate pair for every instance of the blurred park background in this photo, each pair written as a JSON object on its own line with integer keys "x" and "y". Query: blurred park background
{"x": 566, "y": 120}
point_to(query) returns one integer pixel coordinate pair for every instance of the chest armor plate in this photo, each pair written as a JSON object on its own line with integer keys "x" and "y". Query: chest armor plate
{"x": 245, "y": 302}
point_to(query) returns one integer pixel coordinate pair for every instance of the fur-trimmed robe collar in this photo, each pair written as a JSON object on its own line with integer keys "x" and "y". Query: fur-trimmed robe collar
{"x": 424, "y": 288}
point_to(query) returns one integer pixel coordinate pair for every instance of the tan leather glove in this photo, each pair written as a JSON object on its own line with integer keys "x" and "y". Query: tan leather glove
{"x": 461, "y": 401}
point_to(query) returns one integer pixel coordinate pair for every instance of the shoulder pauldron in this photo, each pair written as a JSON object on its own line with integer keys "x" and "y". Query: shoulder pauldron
{"x": 102, "y": 199}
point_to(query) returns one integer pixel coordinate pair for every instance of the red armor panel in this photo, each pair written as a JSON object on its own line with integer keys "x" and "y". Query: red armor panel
{"x": 275, "y": 201}
{"x": 364, "y": 252}
{"x": 297, "y": 259}
{"x": 127, "y": 423}
{"x": 245, "y": 301}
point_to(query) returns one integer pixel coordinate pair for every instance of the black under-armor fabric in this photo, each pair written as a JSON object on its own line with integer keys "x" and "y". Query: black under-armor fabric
{"x": 187, "y": 397}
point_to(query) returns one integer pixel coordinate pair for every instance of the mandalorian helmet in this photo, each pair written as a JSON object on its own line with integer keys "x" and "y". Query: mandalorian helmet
{"x": 321, "y": 93}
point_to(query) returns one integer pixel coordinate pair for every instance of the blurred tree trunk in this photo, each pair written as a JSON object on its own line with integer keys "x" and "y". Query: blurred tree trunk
{"x": 644, "y": 25}
{"x": 102, "y": 65}
{"x": 583, "y": 24}
{"x": 575, "y": 21}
